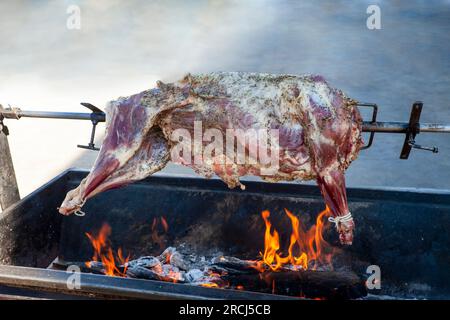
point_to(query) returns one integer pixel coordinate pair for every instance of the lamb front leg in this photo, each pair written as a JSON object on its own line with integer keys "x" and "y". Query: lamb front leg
{"x": 332, "y": 186}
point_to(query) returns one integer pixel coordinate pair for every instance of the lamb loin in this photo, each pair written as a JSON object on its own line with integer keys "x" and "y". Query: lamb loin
{"x": 311, "y": 130}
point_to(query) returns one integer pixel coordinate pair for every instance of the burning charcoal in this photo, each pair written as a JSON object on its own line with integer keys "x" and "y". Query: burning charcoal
{"x": 219, "y": 270}
{"x": 106, "y": 269}
{"x": 192, "y": 258}
{"x": 96, "y": 266}
{"x": 146, "y": 262}
{"x": 230, "y": 260}
{"x": 165, "y": 272}
{"x": 193, "y": 275}
{"x": 177, "y": 260}
{"x": 171, "y": 273}
{"x": 63, "y": 265}
{"x": 235, "y": 265}
{"x": 165, "y": 256}
{"x": 140, "y": 272}
{"x": 210, "y": 282}
{"x": 210, "y": 278}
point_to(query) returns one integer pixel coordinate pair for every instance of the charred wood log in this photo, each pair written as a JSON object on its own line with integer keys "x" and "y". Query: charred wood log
{"x": 232, "y": 265}
{"x": 145, "y": 262}
{"x": 308, "y": 284}
{"x": 234, "y": 273}
{"x": 94, "y": 267}
{"x": 140, "y": 272}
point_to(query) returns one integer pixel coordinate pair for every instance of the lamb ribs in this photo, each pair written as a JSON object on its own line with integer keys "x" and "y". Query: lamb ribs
{"x": 318, "y": 135}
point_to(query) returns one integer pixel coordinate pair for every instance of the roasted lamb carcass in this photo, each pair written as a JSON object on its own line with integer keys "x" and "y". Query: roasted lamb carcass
{"x": 318, "y": 134}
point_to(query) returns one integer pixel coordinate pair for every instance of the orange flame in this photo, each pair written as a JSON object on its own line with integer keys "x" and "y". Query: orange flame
{"x": 164, "y": 224}
{"x": 309, "y": 244}
{"x": 104, "y": 253}
{"x": 210, "y": 285}
{"x": 156, "y": 235}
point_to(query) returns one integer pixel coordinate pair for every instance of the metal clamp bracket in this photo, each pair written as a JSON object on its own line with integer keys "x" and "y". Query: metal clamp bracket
{"x": 411, "y": 132}
{"x": 96, "y": 112}
{"x": 374, "y": 107}
{"x": 410, "y": 129}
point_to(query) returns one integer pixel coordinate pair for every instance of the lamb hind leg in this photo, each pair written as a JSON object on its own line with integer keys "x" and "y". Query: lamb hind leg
{"x": 73, "y": 202}
{"x": 332, "y": 186}
{"x": 151, "y": 156}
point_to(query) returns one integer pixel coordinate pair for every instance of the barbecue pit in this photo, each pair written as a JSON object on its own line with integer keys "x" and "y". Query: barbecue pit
{"x": 401, "y": 231}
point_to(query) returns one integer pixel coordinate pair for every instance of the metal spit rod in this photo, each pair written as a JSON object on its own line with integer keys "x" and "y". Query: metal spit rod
{"x": 402, "y": 127}
{"x": 17, "y": 114}
{"x": 8, "y": 186}
{"x": 368, "y": 126}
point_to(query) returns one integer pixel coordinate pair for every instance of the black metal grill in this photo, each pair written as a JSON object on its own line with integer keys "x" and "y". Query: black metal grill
{"x": 402, "y": 231}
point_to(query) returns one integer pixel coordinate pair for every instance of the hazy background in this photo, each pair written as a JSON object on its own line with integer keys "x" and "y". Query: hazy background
{"x": 123, "y": 47}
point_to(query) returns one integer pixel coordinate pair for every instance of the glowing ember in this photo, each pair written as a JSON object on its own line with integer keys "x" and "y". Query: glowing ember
{"x": 210, "y": 285}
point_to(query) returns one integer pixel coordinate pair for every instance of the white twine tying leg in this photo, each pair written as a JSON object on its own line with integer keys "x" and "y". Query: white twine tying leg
{"x": 80, "y": 213}
{"x": 337, "y": 220}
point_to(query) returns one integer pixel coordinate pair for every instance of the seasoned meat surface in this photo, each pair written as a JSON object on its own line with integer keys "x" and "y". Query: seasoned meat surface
{"x": 232, "y": 124}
